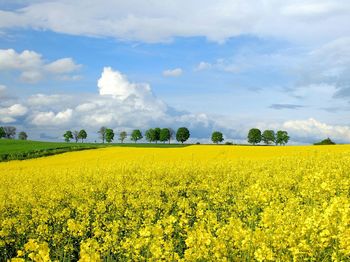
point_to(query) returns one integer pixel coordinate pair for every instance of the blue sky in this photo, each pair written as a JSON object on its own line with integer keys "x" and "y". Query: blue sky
{"x": 229, "y": 66}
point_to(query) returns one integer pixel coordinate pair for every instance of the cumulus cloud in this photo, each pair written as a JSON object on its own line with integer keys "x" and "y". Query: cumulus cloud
{"x": 118, "y": 103}
{"x": 32, "y": 66}
{"x": 216, "y": 20}
{"x": 313, "y": 130}
{"x": 50, "y": 118}
{"x": 63, "y": 65}
{"x": 9, "y": 114}
{"x": 172, "y": 72}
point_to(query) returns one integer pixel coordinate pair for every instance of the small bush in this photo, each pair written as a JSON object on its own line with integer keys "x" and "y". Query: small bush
{"x": 326, "y": 141}
{"x": 228, "y": 143}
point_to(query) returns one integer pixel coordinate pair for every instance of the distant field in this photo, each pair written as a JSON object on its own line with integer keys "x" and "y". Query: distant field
{"x": 19, "y": 149}
{"x": 16, "y": 146}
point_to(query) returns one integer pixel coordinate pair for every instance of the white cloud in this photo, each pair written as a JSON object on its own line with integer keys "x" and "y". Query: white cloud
{"x": 203, "y": 66}
{"x": 312, "y": 129}
{"x": 138, "y": 95}
{"x": 51, "y": 119}
{"x": 63, "y": 65}
{"x": 46, "y": 100}
{"x": 31, "y": 76}
{"x": 154, "y": 21}
{"x": 7, "y": 119}
{"x": 9, "y": 114}
{"x": 313, "y": 9}
{"x": 118, "y": 103}
{"x": 32, "y": 66}
{"x": 327, "y": 65}
{"x": 172, "y": 72}
{"x": 14, "y": 110}
{"x": 86, "y": 107}
{"x": 27, "y": 60}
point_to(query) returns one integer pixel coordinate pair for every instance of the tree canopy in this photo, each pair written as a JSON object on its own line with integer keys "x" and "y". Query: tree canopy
{"x": 109, "y": 135}
{"x": 10, "y": 132}
{"x": 22, "y": 135}
{"x": 164, "y": 135}
{"x": 326, "y": 141}
{"x": 136, "y": 135}
{"x": 268, "y": 137}
{"x": 217, "y": 137}
{"x": 82, "y": 135}
{"x": 282, "y": 137}
{"x": 68, "y": 136}
{"x": 254, "y": 136}
{"x": 150, "y": 135}
{"x": 182, "y": 134}
{"x": 122, "y": 136}
{"x": 102, "y": 133}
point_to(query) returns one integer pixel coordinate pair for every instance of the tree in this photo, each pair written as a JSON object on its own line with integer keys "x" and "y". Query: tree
{"x": 122, "y": 136}
{"x": 10, "y": 132}
{"x": 2, "y": 132}
{"x": 109, "y": 135}
{"x": 157, "y": 134}
{"x": 182, "y": 134}
{"x": 268, "y": 137}
{"x": 164, "y": 135}
{"x": 136, "y": 135}
{"x": 76, "y": 135}
{"x": 150, "y": 135}
{"x": 102, "y": 133}
{"x": 282, "y": 137}
{"x": 217, "y": 137}
{"x": 68, "y": 136}
{"x": 22, "y": 136}
{"x": 82, "y": 135}
{"x": 254, "y": 136}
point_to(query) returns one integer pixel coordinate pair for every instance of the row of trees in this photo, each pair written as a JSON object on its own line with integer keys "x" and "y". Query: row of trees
{"x": 151, "y": 135}
{"x": 161, "y": 135}
{"x": 9, "y": 132}
{"x": 268, "y": 137}
{"x": 76, "y": 135}
{"x": 255, "y": 136}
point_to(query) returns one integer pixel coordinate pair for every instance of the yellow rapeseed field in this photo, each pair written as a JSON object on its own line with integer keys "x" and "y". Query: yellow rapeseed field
{"x": 198, "y": 203}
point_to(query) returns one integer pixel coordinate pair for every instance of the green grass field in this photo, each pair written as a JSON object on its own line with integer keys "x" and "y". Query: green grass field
{"x": 19, "y": 150}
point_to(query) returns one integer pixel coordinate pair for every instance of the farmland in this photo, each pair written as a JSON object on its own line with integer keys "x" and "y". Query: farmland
{"x": 11, "y": 149}
{"x": 197, "y": 203}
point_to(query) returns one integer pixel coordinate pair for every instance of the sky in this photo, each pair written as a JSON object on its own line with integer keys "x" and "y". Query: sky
{"x": 226, "y": 65}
